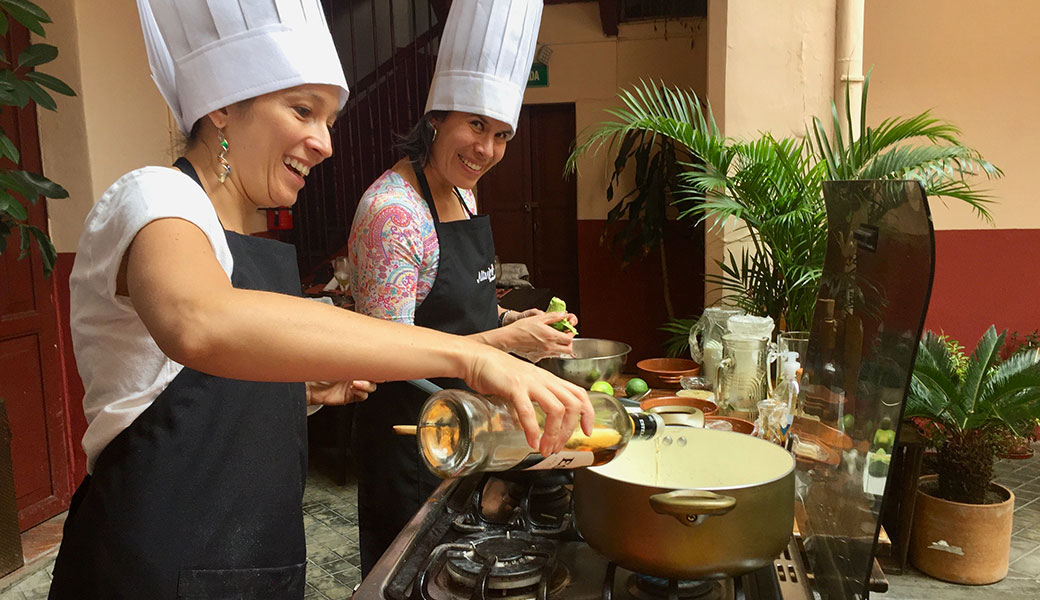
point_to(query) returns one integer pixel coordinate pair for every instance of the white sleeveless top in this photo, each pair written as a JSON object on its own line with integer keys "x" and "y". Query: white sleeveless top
{"x": 122, "y": 368}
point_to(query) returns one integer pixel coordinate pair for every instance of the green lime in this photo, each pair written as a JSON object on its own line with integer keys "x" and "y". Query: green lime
{"x": 635, "y": 386}
{"x": 602, "y": 386}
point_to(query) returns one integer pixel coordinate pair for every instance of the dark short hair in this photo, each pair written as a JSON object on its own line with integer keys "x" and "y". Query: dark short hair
{"x": 418, "y": 143}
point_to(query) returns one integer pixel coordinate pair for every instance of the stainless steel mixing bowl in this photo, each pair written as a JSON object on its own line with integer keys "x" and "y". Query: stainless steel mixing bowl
{"x": 593, "y": 360}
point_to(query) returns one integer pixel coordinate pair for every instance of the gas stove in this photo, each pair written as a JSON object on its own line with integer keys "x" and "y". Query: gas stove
{"x": 504, "y": 537}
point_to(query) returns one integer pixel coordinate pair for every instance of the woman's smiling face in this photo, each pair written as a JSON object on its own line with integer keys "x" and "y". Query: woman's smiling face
{"x": 276, "y": 139}
{"x": 467, "y": 146}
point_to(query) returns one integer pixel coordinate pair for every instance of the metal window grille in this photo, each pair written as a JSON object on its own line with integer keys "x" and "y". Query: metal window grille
{"x": 388, "y": 49}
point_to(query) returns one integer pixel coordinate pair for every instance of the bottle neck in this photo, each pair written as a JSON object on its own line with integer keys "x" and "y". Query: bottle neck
{"x": 645, "y": 425}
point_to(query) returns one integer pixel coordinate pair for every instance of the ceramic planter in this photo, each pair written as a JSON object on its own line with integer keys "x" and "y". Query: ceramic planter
{"x": 962, "y": 543}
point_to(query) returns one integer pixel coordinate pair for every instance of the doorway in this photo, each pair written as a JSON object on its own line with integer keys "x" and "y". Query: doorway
{"x": 532, "y": 206}
{"x": 30, "y": 362}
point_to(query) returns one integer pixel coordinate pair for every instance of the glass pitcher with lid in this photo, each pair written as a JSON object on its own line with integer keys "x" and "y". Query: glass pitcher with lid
{"x": 751, "y": 326}
{"x": 706, "y": 338}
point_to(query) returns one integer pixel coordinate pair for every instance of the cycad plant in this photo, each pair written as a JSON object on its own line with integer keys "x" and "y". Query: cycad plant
{"x": 971, "y": 408}
{"x": 774, "y": 186}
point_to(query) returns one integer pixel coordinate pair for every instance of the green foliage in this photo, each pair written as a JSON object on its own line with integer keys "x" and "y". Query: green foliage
{"x": 972, "y": 411}
{"x": 19, "y": 85}
{"x": 1016, "y": 342}
{"x": 678, "y": 343}
{"x": 957, "y": 353}
{"x": 773, "y": 186}
{"x": 943, "y": 166}
{"x": 648, "y": 130}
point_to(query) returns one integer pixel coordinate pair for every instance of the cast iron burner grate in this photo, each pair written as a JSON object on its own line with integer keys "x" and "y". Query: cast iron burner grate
{"x": 646, "y": 587}
{"x": 497, "y": 505}
{"x": 510, "y": 565}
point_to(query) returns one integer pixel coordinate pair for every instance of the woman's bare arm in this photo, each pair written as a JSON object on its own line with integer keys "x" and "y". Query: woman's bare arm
{"x": 198, "y": 319}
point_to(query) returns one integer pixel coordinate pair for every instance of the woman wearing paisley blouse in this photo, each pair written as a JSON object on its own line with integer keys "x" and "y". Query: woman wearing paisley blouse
{"x": 421, "y": 254}
{"x": 428, "y": 263}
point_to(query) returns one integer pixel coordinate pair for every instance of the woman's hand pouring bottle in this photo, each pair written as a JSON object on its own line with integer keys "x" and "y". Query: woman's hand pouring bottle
{"x": 460, "y": 432}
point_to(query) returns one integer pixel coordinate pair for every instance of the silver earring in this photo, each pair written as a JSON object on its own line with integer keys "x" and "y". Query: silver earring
{"x": 223, "y": 175}
{"x": 434, "y": 138}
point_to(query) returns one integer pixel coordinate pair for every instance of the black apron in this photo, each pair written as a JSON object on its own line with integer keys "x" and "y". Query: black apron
{"x": 393, "y": 480}
{"x": 201, "y": 496}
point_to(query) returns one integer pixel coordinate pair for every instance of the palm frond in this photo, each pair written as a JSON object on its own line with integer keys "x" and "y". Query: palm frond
{"x": 678, "y": 342}
{"x": 984, "y": 358}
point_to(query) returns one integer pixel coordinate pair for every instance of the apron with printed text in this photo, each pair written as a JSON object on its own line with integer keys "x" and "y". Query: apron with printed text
{"x": 393, "y": 480}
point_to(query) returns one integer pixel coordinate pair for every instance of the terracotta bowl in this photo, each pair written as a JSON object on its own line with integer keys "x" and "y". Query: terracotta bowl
{"x": 666, "y": 372}
{"x": 810, "y": 450}
{"x": 738, "y": 425}
{"x": 824, "y": 433}
{"x": 705, "y": 406}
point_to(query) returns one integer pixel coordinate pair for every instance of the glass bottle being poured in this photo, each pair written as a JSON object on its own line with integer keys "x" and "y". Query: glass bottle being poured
{"x": 460, "y": 432}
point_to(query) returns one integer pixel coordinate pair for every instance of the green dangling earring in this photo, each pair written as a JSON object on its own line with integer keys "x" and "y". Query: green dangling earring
{"x": 223, "y": 175}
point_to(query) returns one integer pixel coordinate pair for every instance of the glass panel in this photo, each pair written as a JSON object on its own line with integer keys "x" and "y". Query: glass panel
{"x": 870, "y": 310}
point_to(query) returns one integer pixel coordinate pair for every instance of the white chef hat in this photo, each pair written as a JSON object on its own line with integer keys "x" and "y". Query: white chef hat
{"x": 207, "y": 54}
{"x": 485, "y": 57}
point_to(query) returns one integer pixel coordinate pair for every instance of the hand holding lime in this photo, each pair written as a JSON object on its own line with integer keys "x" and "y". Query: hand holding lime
{"x": 557, "y": 305}
{"x": 635, "y": 386}
{"x": 602, "y": 386}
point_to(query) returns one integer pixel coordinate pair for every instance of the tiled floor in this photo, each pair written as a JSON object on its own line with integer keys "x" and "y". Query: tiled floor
{"x": 330, "y": 519}
{"x": 1023, "y": 580}
{"x": 330, "y": 522}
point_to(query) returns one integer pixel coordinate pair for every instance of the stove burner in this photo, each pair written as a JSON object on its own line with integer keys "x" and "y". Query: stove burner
{"x": 645, "y": 587}
{"x": 500, "y": 504}
{"x": 516, "y": 559}
{"x": 510, "y": 565}
{"x": 549, "y": 505}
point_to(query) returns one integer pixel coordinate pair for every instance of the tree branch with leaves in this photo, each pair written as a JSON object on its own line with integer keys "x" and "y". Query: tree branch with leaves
{"x": 20, "y": 84}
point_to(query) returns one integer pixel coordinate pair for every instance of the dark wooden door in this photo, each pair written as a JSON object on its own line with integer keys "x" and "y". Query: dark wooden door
{"x": 30, "y": 363}
{"x": 533, "y": 208}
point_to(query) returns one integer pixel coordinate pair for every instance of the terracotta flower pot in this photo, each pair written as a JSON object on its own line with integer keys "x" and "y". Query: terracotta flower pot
{"x": 962, "y": 543}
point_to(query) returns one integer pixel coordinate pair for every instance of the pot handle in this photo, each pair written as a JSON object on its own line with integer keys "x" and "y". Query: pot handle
{"x": 692, "y": 507}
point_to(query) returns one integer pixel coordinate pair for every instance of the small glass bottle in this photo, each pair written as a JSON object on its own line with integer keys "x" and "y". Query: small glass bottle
{"x": 460, "y": 432}
{"x": 786, "y": 395}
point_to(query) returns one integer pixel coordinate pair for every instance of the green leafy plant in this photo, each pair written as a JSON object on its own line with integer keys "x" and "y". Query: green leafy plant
{"x": 772, "y": 186}
{"x": 943, "y": 165}
{"x": 1016, "y": 341}
{"x": 21, "y": 83}
{"x": 972, "y": 417}
{"x": 636, "y": 223}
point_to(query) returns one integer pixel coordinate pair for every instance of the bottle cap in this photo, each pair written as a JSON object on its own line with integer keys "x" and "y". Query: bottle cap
{"x": 791, "y": 364}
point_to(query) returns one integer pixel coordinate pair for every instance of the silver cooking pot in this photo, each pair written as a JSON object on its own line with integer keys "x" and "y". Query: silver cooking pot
{"x": 689, "y": 504}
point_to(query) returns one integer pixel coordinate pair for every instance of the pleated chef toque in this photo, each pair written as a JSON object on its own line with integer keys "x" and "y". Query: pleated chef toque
{"x": 485, "y": 57}
{"x": 207, "y": 54}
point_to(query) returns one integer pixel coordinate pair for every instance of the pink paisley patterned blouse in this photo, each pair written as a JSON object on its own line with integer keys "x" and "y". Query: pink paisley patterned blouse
{"x": 393, "y": 249}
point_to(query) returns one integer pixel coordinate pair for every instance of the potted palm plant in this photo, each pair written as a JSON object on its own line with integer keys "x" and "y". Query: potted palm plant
{"x": 970, "y": 409}
{"x": 773, "y": 186}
